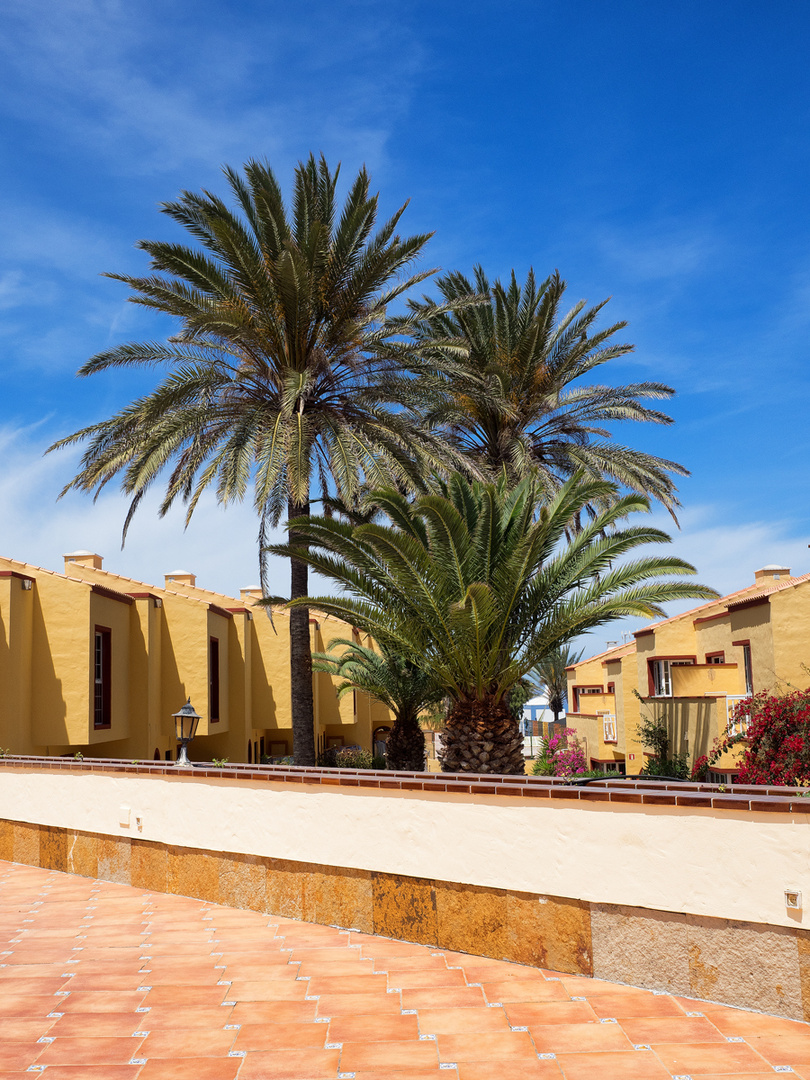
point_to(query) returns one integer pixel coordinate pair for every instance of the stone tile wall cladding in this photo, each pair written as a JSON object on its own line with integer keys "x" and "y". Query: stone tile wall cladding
{"x": 744, "y": 964}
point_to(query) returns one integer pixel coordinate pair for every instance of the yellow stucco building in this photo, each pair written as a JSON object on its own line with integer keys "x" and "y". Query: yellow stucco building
{"x": 691, "y": 670}
{"x": 97, "y": 663}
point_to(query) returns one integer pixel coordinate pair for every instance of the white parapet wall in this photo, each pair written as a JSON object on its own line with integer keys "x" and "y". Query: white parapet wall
{"x": 722, "y": 864}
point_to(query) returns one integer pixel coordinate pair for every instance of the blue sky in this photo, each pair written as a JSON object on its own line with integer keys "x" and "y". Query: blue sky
{"x": 657, "y": 154}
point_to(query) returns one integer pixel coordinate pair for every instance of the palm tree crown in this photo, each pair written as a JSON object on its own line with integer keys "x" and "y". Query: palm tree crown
{"x": 476, "y": 585}
{"x": 272, "y": 372}
{"x": 401, "y": 685}
{"x": 549, "y": 677}
{"x": 497, "y": 364}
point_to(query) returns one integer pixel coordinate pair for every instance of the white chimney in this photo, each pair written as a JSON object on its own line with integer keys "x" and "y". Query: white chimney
{"x": 180, "y": 578}
{"x": 82, "y": 558}
{"x": 772, "y": 572}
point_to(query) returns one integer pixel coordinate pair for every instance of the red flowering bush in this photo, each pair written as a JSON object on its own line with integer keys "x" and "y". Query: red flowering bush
{"x": 700, "y": 769}
{"x": 562, "y": 756}
{"x": 777, "y": 742}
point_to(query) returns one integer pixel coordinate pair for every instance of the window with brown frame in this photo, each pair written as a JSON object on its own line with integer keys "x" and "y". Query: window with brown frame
{"x": 102, "y": 677}
{"x": 715, "y": 658}
{"x": 213, "y": 680}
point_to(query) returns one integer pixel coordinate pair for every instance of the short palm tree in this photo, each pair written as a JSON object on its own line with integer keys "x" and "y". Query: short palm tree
{"x": 549, "y": 677}
{"x": 501, "y": 373}
{"x": 476, "y": 584}
{"x": 272, "y": 374}
{"x": 403, "y": 686}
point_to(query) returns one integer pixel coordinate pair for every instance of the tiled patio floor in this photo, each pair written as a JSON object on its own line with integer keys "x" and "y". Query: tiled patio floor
{"x": 104, "y": 981}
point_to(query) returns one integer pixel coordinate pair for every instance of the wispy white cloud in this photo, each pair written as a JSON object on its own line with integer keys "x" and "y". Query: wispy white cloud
{"x": 662, "y": 250}
{"x": 219, "y": 545}
{"x": 97, "y": 73}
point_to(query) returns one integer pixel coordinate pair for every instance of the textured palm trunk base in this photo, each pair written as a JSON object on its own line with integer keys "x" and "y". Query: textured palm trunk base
{"x": 405, "y": 748}
{"x": 482, "y": 737}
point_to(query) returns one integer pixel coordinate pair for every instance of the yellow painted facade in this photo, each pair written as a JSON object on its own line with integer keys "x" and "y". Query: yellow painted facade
{"x": 97, "y": 663}
{"x": 691, "y": 670}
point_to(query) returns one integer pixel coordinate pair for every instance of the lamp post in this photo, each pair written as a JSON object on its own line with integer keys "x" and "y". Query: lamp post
{"x": 185, "y": 723}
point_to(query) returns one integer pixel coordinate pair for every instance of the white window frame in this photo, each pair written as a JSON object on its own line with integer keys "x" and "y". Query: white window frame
{"x": 662, "y": 678}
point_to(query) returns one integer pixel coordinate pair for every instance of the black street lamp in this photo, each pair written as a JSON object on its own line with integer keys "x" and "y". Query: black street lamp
{"x": 185, "y": 723}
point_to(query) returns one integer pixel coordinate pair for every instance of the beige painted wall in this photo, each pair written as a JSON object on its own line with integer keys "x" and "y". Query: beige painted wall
{"x": 724, "y": 864}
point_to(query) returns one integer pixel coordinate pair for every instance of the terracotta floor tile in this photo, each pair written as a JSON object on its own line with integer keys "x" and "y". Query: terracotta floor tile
{"x": 273, "y": 1012}
{"x": 31, "y": 1005}
{"x": 330, "y": 969}
{"x": 637, "y": 1004}
{"x": 357, "y": 1056}
{"x": 358, "y": 984}
{"x": 290, "y": 1065}
{"x": 523, "y": 1014}
{"x": 462, "y": 1021}
{"x": 524, "y": 990}
{"x": 507, "y": 1070}
{"x": 426, "y": 962}
{"x": 31, "y": 971}
{"x": 89, "y": 1051}
{"x": 358, "y": 1004}
{"x": 40, "y": 955}
{"x": 635, "y": 1065}
{"x": 20, "y": 1029}
{"x": 344, "y": 1029}
{"x": 91, "y": 1072}
{"x": 385, "y": 947}
{"x": 418, "y": 980}
{"x": 81, "y": 981}
{"x": 437, "y": 998}
{"x": 182, "y": 1043}
{"x": 191, "y": 1069}
{"x": 581, "y": 985}
{"x": 685, "y": 1059}
{"x": 512, "y": 1044}
{"x": 578, "y": 1038}
{"x": 403, "y": 1074}
{"x": 250, "y": 959}
{"x": 787, "y": 1049}
{"x": 267, "y": 991}
{"x": 327, "y": 955}
{"x": 281, "y": 1037}
{"x": 497, "y": 971}
{"x": 738, "y": 1022}
{"x": 163, "y": 1017}
{"x": 200, "y": 996}
{"x": 166, "y": 977}
{"x": 769, "y": 1075}
{"x": 78, "y": 1025}
{"x": 101, "y": 1001}
{"x": 670, "y": 1029}
{"x": 165, "y": 951}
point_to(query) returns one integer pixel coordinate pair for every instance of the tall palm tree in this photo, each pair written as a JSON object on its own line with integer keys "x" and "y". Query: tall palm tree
{"x": 271, "y": 375}
{"x": 404, "y": 687}
{"x": 497, "y": 371}
{"x": 548, "y": 677}
{"x": 475, "y": 582}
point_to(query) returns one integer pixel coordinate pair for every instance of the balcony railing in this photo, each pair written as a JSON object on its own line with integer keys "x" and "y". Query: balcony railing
{"x": 736, "y": 725}
{"x": 609, "y": 729}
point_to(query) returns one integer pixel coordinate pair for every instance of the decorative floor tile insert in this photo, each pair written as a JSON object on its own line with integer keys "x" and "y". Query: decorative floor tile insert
{"x": 403, "y": 1012}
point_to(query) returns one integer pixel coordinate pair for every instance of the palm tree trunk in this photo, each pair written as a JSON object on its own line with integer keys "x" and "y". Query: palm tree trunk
{"x": 303, "y": 715}
{"x": 405, "y": 746}
{"x": 482, "y": 737}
